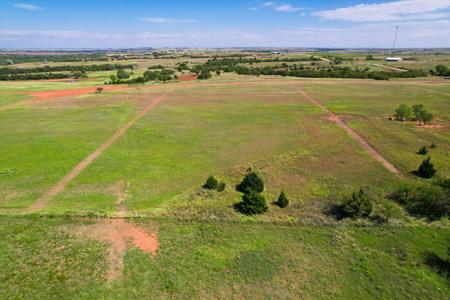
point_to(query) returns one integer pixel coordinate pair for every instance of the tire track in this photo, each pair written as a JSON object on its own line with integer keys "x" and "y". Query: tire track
{"x": 62, "y": 183}
{"x": 353, "y": 134}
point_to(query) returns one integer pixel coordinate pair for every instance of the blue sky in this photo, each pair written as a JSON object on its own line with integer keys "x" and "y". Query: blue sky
{"x": 223, "y": 23}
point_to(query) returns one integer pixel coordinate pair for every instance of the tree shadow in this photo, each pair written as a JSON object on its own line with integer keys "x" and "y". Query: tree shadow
{"x": 335, "y": 211}
{"x": 441, "y": 266}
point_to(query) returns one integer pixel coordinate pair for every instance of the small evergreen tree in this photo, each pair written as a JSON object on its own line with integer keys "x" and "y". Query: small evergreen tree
{"x": 211, "y": 183}
{"x": 423, "y": 150}
{"x": 282, "y": 200}
{"x": 359, "y": 205}
{"x": 426, "y": 169}
{"x": 251, "y": 182}
{"x": 252, "y": 203}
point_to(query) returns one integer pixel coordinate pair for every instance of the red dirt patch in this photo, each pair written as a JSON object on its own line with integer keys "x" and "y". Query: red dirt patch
{"x": 117, "y": 233}
{"x": 45, "y": 95}
{"x": 188, "y": 77}
{"x": 432, "y": 126}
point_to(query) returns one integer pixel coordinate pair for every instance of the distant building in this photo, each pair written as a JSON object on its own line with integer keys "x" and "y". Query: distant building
{"x": 393, "y": 59}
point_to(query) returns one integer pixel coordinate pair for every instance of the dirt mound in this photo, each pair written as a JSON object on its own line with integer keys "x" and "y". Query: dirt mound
{"x": 119, "y": 234}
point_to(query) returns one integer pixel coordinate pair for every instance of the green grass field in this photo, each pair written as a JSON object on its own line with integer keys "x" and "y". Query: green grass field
{"x": 219, "y": 127}
{"x": 39, "y": 259}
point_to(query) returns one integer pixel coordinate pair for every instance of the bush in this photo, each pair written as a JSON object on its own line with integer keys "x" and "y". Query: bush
{"x": 426, "y": 169}
{"x": 282, "y": 200}
{"x": 433, "y": 146}
{"x": 426, "y": 200}
{"x": 359, "y": 205}
{"x": 251, "y": 182}
{"x": 211, "y": 183}
{"x": 252, "y": 203}
{"x": 220, "y": 186}
{"x": 385, "y": 210}
{"x": 423, "y": 150}
{"x": 204, "y": 75}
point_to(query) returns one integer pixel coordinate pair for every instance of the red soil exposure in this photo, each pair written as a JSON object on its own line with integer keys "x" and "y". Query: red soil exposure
{"x": 117, "y": 233}
{"x": 187, "y": 77}
{"x": 45, "y": 95}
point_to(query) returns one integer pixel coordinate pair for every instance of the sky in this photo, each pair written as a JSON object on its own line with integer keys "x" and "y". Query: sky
{"x": 224, "y": 23}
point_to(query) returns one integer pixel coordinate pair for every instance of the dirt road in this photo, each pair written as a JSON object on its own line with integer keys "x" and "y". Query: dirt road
{"x": 61, "y": 184}
{"x": 353, "y": 134}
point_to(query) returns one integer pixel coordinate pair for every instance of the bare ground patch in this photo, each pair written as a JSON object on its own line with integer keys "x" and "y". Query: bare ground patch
{"x": 120, "y": 235}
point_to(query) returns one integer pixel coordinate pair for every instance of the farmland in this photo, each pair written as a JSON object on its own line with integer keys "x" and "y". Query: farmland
{"x": 73, "y": 157}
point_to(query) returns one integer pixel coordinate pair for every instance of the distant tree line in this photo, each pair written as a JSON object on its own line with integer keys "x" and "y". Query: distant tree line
{"x": 235, "y": 65}
{"x": 149, "y": 75}
{"x": 41, "y": 73}
{"x": 8, "y": 59}
{"x": 35, "y": 76}
{"x": 70, "y": 68}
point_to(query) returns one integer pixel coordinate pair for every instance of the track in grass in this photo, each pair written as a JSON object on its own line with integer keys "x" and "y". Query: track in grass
{"x": 61, "y": 184}
{"x": 353, "y": 134}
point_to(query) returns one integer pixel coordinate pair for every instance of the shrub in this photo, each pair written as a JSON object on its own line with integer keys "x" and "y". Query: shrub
{"x": 204, "y": 75}
{"x": 282, "y": 200}
{"x": 385, "y": 210}
{"x": 211, "y": 183}
{"x": 426, "y": 169}
{"x": 220, "y": 186}
{"x": 251, "y": 182}
{"x": 252, "y": 203}
{"x": 433, "y": 146}
{"x": 359, "y": 205}
{"x": 423, "y": 150}
{"x": 426, "y": 200}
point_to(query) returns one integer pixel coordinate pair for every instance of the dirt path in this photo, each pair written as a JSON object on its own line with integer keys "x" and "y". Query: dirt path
{"x": 353, "y": 134}
{"x": 117, "y": 232}
{"x": 388, "y": 67}
{"x": 61, "y": 184}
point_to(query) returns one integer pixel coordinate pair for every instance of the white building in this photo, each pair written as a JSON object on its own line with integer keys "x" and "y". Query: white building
{"x": 393, "y": 59}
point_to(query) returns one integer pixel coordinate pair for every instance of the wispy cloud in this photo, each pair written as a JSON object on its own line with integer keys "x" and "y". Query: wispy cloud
{"x": 402, "y": 10}
{"x": 287, "y": 8}
{"x": 267, "y": 4}
{"x": 433, "y": 33}
{"x": 159, "y": 20}
{"x": 28, "y": 6}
